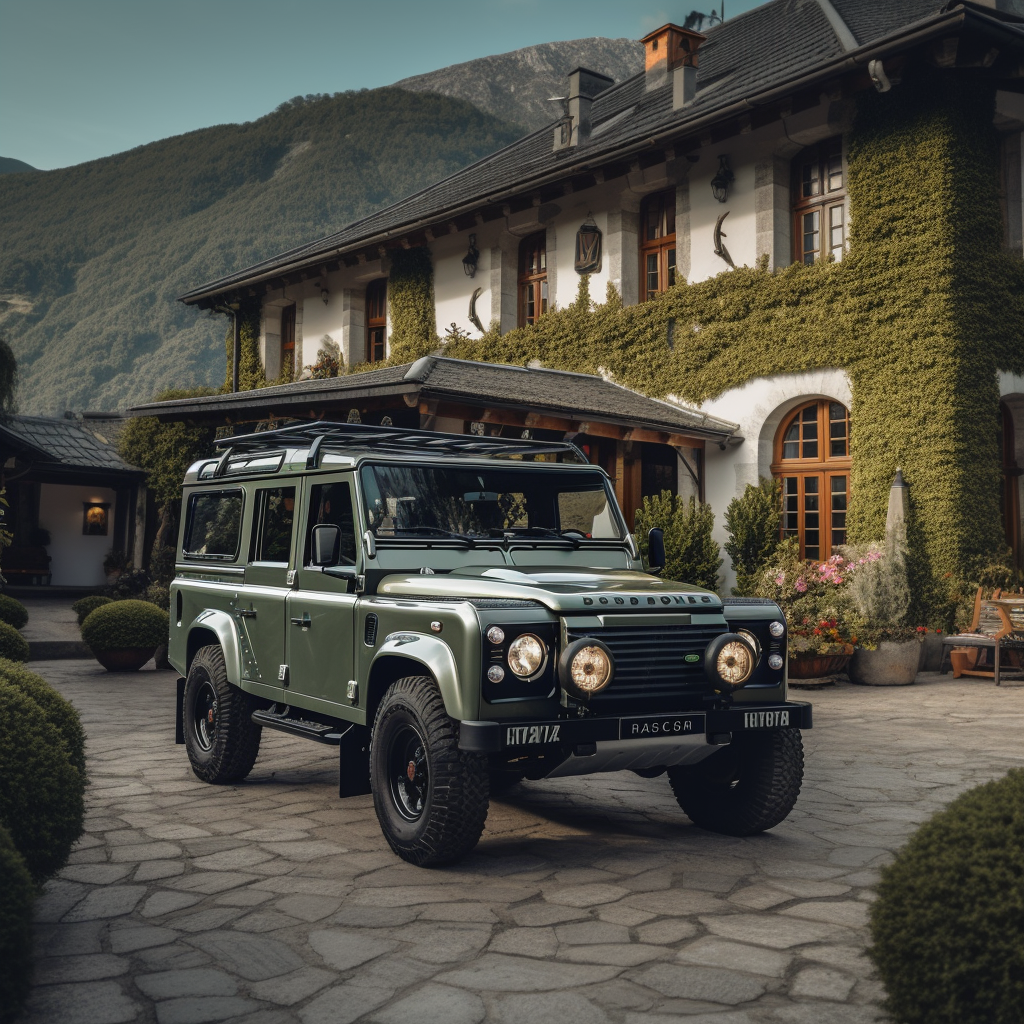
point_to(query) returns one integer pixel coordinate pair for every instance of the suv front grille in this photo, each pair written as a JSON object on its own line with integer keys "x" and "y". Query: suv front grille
{"x": 649, "y": 660}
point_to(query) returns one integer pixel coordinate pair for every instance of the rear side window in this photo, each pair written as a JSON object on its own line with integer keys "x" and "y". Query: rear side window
{"x": 214, "y": 525}
{"x": 275, "y": 517}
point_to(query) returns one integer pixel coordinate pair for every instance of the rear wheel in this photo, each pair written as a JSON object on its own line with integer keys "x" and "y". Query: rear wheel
{"x": 747, "y": 787}
{"x": 221, "y": 740}
{"x": 430, "y": 797}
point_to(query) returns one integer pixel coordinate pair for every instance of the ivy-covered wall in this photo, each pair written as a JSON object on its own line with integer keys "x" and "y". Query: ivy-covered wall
{"x": 251, "y": 374}
{"x": 412, "y": 324}
{"x": 922, "y": 312}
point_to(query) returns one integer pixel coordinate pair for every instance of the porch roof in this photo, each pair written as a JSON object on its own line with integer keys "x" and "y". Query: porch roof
{"x": 61, "y": 446}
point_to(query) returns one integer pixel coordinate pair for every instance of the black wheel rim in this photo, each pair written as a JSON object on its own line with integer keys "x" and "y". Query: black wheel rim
{"x": 408, "y": 775}
{"x": 204, "y": 715}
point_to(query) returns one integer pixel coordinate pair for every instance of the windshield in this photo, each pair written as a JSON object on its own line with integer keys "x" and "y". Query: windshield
{"x": 449, "y": 501}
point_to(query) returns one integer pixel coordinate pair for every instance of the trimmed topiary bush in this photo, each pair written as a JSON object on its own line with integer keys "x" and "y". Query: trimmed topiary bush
{"x": 84, "y": 606}
{"x": 41, "y": 799}
{"x": 60, "y": 713}
{"x": 123, "y": 625}
{"x": 948, "y": 925}
{"x": 16, "y": 894}
{"x": 13, "y": 646}
{"x": 693, "y": 556}
{"x": 13, "y": 612}
{"x": 753, "y": 521}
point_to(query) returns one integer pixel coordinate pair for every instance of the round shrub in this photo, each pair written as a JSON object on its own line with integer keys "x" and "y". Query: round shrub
{"x": 13, "y": 646}
{"x": 14, "y": 613}
{"x": 125, "y": 624}
{"x": 41, "y": 799}
{"x": 948, "y": 925}
{"x": 84, "y": 605}
{"x": 60, "y": 713}
{"x": 16, "y": 894}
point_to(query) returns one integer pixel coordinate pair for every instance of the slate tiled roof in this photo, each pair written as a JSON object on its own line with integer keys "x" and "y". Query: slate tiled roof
{"x": 769, "y": 47}
{"x": 579, "y": 396}
{"x": 60, "y": 442}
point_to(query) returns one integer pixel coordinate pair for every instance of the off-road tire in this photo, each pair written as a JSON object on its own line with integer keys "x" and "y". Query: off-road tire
{"x": 745, "y": 788}
{"x": 225, "y": 749}
{"x": 447, "y": 793}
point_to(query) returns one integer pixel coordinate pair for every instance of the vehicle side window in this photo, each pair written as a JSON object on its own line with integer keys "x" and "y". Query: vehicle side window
{"x": 275, "y": 515}
{"x": 332, "y": 503}
{"x": 214, "y": 524}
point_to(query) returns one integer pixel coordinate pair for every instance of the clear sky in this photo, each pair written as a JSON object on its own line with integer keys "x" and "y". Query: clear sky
{"x": 81, "y": 79}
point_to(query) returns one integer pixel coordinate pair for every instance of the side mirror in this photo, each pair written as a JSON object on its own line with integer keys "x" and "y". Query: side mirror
{"x": 656, "y": 550}
{"x": 326, "y": 542}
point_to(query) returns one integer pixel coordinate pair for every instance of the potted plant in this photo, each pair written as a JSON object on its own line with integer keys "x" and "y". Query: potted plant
{"x": 114, "y": 564}
{"x": 124, "y": 635}
{"x": 818, "y": 648}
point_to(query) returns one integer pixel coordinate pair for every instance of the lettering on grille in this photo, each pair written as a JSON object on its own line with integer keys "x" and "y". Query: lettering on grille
{"x": 765, "y": 719}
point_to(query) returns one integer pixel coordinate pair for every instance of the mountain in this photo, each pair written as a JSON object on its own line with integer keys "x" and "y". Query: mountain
{"x": 518, "y": 86}
{"x": 93, "y": 257}
{"x": 8, "y": 165}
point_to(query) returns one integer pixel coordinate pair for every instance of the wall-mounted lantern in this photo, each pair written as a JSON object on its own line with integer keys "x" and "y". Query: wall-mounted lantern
{"x": 722, "y": 180}
{"x": 470, "y": 260}
{"x": 95, "y": 518}
{"x": 588, "y": 247}
{"x": 325, "y": 294}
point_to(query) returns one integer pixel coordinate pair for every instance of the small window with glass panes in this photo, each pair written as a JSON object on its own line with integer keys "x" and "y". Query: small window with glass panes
{"x": 819, "y": 203}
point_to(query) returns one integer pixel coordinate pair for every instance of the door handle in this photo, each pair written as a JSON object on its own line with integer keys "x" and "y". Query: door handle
{"x": 305, "y": 621}
{"x": 247, "y": 613}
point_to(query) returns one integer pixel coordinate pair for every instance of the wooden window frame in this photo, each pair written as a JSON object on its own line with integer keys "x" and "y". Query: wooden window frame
{"x": 820, "y": 469}
{"x": 828, "y": 204}
{"x": 534, "y": 245}
{"x": 661, "y": 248}
{"x": 377, "y": 320}
{"x": 288, "y": 321}
{"x": 1010, "y": 473}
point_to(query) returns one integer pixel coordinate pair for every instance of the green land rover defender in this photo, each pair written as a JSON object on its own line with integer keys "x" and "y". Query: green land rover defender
{"x": 457, "y": 613}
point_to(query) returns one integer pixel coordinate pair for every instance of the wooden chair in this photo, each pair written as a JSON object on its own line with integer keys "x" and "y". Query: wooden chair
{"x": 996, "y": 626}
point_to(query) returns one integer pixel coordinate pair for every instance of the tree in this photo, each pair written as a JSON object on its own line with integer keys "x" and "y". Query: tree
{"x": 753, "y": 521}
{"x": 691, "y": 555}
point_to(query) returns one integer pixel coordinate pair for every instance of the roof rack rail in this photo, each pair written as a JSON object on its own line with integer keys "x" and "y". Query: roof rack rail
{"x": 323, "y": 436}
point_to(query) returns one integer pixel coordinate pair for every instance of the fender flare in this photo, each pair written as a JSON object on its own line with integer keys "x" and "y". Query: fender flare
{"x": 435, "y": 656}
{"x": 223, "y": 627}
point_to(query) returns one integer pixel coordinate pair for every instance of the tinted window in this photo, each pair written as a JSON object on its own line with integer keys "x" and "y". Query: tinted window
{"x": 214, "y": 523}
{"x": 275, "y": 516}
{"x": 332, "y": 503}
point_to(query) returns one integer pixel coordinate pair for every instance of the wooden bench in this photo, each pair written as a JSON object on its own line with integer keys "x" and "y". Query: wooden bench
{"x": 25, "y": 565}
{"x": 997, "y": 626}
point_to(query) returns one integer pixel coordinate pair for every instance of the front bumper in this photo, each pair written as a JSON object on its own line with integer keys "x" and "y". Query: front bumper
{"x": 575, "y": 734}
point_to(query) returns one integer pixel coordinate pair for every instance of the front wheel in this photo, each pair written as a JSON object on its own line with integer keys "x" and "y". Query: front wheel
{"x": 430, "y": 797}
{"x": 745, "y": 788}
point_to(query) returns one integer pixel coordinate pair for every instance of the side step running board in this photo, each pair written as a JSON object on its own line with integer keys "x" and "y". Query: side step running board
{"x": 285, "y": 722}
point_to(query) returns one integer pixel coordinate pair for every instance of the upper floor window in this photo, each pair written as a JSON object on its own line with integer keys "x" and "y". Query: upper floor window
{"x": 288, "y": 340}
{"x": 819, "y": 202}
{"x": 533, "y": 278}
{"x": 657, "y": 244}
{"x": 376, "y": 320}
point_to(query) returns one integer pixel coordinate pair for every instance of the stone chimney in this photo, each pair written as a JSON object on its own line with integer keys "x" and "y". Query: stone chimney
{"x": 668, "y": 50}
{"x": 584, "y": 85}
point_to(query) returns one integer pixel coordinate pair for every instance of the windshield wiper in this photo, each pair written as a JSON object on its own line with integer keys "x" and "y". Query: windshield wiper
{"x": 433, "y": 531}
{"x": 537, "y": 531}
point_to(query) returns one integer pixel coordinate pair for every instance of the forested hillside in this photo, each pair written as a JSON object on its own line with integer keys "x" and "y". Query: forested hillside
{"x": 93, "y": 257}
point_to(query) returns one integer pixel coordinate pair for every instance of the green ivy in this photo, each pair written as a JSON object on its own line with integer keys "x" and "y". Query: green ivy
{"x": 412, "y": 326}
{"x": 251, "y": 374}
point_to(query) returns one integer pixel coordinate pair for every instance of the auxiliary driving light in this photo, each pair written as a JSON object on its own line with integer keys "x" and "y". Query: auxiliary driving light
{"x": 775, "y": 662}
{"x": 729, "y": 661}
{"x": 495, "y": 673}
{"x": 777, "y": 628}
{"x": 586, "y": 667}
{"x": 496, "y": 635}
{"x": 526, "y": 655}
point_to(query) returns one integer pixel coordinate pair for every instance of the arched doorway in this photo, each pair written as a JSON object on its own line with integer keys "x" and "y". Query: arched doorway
{"x": 812, "y": 460}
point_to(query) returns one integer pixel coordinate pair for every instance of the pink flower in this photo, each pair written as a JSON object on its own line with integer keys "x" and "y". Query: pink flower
{"x": 780, "y": 579}
{"x": 801, "y": 585}
{"x": 837, "y": 580}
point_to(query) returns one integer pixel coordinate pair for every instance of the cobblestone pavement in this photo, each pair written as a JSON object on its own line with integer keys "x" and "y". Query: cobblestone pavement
{"x": 590, "y": 900}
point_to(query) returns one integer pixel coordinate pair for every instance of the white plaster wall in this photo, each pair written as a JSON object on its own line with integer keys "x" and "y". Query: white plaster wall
{"x": 758, "y": 407}
{"x": 319, "y": 320}
{"x": 77, "y": 560}
{"x": 567, "y": 223}
{"x": 453, "y": 289}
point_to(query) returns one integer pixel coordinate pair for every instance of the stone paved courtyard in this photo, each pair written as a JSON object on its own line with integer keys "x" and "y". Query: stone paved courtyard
{"x": 588, "y": 900}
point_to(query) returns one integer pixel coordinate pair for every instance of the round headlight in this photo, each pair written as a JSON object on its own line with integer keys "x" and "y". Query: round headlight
{"x": 777, "y": 628}
{"x": 775, "y": 662}
{"x": 590, "y": 669}
{"x": 526, "y": 655}
{"x": 495, "y": 673}
{"x": 729, "y": 661}
{"x": 496, "y": 635}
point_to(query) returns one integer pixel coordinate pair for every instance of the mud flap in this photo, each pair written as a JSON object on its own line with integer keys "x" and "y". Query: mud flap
{"x": 354, "y": 761}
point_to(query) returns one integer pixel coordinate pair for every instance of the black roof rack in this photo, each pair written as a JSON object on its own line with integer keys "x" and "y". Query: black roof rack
{"x": 322, "y": 436}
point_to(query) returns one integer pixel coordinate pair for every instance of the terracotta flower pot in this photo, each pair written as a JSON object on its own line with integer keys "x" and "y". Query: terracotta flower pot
{"x": 893, "y": 664}
{"x": 810, "y": 665}
{"x": 126, "y": 659}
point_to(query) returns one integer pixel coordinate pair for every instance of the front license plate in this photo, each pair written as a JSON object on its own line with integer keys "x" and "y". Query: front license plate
{"x": 660, "y": 725}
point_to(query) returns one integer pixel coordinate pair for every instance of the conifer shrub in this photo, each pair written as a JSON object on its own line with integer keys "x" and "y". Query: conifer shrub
{"x": 84, "y": 605}
{"x": 16, "y": 892}
{"x": 948, "y": 926}
{"x": 13, "y": 645}
{"x": 41, "y": 800}
{"x": 753, "y": 520}
{"x": 122, "y": 625}
{"x": 60, "y": 713}
{"x": 13, "y": 612}
{"x": 691, "y": 555}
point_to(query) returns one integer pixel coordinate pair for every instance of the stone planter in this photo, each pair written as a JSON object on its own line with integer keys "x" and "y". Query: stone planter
{"x": 931, "y": 653}
{"x": 127, "y": 659}
{"x": 893, "y": 664}
{"x": 808, "y": 665}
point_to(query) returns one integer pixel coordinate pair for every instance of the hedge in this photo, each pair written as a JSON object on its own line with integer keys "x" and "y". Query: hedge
{"x": 60, "y": 713}
{"x": 85, "y": 605}
{"x": 41, "y": 801}
{"x": 948, "y": 925}
{"x": 13, "y": 612}
{"x": 691, "y": 554}
{"x": 16, "y": 892}
{"x": 126, "y": 624}
{"x": 13, "y": 645}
